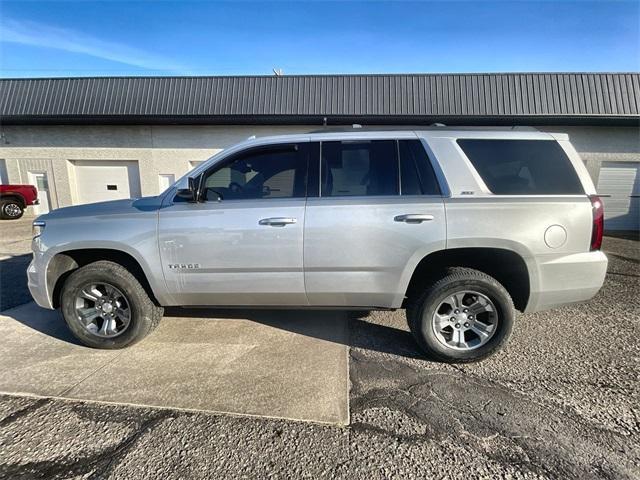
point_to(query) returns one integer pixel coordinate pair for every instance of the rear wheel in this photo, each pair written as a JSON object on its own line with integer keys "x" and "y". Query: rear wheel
{"x": 464, "y": 316}
{"x": 105, "y": 306}
{"x": 10, "y": 209}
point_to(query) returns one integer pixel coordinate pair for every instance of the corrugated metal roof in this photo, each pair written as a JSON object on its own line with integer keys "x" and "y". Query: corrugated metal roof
{"x": 416, "y": 97}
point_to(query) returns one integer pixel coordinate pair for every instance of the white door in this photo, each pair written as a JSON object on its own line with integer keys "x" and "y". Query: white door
{"x": 619, "y": 184}
{"x": 40, "y": 181}
{"x": 4, "y": 178}
{"x": 165, "y": 180}
{"x": 99, "y": 181}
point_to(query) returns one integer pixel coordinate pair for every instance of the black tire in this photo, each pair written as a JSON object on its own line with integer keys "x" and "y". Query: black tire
{"x": 12, "y": 205}
{"x": 145, "y": 315}
{"x": 420, "y": 312}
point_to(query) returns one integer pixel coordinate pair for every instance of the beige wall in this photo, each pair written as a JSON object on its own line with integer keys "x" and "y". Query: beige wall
{"x": 599, "y": 144}
{"x": 169, "y": 149}
{"x": 157, "y": 149}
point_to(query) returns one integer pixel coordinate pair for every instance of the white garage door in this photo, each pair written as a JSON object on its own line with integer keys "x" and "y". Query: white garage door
{"x": 98, "y": 181}
{"x": 619, "y": 183}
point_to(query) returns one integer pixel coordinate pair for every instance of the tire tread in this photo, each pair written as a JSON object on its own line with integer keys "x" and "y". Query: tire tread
{"x": 451, "y": 274}
{"x": 155, "y": 312}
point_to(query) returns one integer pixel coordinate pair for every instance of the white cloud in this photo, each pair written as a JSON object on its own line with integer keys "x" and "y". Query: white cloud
{"x": 47, "y": 36}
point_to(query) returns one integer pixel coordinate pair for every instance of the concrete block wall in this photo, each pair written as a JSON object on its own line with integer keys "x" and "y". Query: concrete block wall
{"x": 599, "y": 144}
{"x": 156, "y": 149}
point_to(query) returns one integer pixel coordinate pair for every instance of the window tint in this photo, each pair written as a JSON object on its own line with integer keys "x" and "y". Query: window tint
{"x": 274, "y": 172}
{"x": 359, "y": 168}
{"x": 523, "y": 167}
{"x": 313, "y": 174}
{"x": 416, "y": 173}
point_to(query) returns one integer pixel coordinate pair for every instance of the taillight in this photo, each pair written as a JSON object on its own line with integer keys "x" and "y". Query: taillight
{"x": 598, "y": 222}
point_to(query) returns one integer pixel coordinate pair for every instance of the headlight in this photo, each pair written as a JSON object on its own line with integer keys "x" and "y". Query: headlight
{"x": 37, "y": 227}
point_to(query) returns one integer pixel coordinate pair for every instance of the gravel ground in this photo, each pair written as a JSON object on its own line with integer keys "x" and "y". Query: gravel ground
{"x": 561, "y": 401}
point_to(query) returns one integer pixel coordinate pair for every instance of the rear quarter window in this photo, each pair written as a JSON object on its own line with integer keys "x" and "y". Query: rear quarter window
{"x": 522, "y": 167}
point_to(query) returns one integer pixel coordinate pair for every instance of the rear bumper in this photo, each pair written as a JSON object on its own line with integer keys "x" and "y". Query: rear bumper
{"x": 568, "y": 279}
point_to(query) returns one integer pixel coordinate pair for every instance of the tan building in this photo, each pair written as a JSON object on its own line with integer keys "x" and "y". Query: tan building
{"x": 89, "y": 140}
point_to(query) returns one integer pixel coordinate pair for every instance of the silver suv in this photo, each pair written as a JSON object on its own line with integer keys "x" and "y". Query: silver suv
{"x": 462, "y": 227}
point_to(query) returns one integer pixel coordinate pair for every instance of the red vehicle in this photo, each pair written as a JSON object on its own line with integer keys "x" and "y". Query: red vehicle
{"x": 15, "y": 198}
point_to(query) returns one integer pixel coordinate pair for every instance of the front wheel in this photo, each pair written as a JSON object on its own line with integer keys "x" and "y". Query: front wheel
{"x": 105, "y": 306}
{"x": 10, "y": 209}
{"x": 465, "y": 316}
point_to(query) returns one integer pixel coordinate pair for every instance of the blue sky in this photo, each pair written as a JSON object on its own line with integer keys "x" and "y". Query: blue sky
{"x": 146, "y": 37}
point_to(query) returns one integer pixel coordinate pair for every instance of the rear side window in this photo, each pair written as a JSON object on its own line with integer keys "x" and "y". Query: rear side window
{"x": 523, "y": 167}
{"x": 359, "y": 168}
{"x": 416, "y": 173}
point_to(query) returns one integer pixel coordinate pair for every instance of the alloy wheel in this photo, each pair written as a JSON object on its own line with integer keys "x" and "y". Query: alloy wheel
{"x": 465, "y": 320}
{"x": 12, "y": 210}
{"x": 102, "y": 310}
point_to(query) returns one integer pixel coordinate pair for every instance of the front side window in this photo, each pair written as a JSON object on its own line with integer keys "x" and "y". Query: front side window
{"x": 277, "y": 171}
{"x": 523, "y": 167}
{"x": 359, "y": 168}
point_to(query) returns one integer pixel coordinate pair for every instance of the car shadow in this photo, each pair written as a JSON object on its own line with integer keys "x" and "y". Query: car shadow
{"x": 13, "y": 281}
{"x": 349, "y": 328}
{"x": 342, "y": 327}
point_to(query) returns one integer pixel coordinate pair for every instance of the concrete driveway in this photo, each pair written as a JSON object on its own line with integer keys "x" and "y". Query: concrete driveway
{"x": 287, "y": 364}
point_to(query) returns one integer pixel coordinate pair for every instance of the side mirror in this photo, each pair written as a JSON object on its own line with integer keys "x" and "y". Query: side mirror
{"x": 194, "y": 192}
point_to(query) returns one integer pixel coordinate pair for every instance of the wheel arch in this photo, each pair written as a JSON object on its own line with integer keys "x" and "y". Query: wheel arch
{"x": 62, "y": 264}
{"x": 505, "y": 265}
{"x": 14, "y": 196}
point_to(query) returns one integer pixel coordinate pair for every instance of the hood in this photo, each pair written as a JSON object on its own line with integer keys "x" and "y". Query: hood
{"x": 112, "y": 207}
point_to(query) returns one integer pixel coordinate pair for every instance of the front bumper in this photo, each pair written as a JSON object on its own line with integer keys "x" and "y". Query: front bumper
{"x": 568, "y": 279}
{"x": 37, "y": 279}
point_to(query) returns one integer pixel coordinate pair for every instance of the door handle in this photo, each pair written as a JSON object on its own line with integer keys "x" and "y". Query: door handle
{"x": 277, "y": 221}
{"x": 413, "y": 218}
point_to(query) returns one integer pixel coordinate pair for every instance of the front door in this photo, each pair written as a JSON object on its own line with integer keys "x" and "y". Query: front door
{"x": 40, "y": 181}
{"x": 243, "y": 244}
{"x": 379, "y": 213}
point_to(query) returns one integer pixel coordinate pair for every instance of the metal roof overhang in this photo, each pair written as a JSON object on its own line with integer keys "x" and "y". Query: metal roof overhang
{"x": 471, "y": 120}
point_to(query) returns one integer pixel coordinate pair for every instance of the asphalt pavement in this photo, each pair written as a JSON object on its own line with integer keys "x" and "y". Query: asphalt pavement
{"x": 562, "y": 400}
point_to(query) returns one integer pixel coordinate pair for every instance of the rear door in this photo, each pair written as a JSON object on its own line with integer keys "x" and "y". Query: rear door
{"x": 378, "y": 212}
